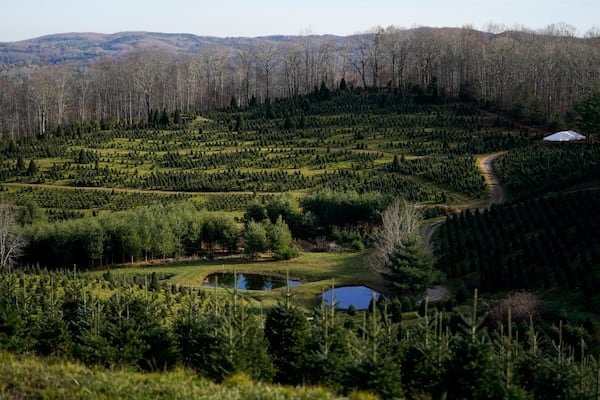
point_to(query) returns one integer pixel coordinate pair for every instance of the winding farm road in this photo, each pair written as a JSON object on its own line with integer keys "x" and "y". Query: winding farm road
{"x": 497, "y": 193}
{"x": 440, "y": 292}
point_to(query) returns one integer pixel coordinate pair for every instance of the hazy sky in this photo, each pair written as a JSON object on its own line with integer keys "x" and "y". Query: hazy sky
{"x": 25, "y": 19}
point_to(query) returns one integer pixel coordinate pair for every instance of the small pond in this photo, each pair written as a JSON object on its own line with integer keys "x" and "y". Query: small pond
{"x": 247, "y": 281}
{"x": 360, "y": 296}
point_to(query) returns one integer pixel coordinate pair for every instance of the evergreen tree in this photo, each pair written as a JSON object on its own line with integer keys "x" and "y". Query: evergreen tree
{"x": 302, "y": 122}
{"x": 286, "y": 329}
{"x": 82, "y": 157}
{"x": 154, "y": 286}
{"x": 343, "y": 86}
{"x": 253, "y": 102}
{"x": 20, "y": 164}
{"x": 410, "y": 266}
{"x": 233, "y": 104}
{"x": 12, "y": 147}
{"x": 164, "y": 120}
{"x": 324, "y": 92}
{"x": 280, "y": 240}
{"x": 177, "y": 117}
{"x": 240, "y": 125}
{"x": 255, "y": 211}
{"x": 32, "y": 169}
{"x": 288, "y": 123}
{"x": 255, "y": 239}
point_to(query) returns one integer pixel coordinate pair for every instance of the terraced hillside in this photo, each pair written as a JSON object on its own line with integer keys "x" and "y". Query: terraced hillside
{"x": 360, "y": 142}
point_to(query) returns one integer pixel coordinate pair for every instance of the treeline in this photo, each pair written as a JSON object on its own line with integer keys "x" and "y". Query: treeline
{"x": 182, "y": 229}
{"x": 538, "y": 169}
{"x": 153, "y": 327}
{"x": 175, "y": 229}
{"x": 536, "y": 77}
{"x": 541, "y": 243}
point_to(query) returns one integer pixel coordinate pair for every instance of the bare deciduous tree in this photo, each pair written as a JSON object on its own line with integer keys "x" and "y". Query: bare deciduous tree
{"x": 398, "y": 221}
{"x": 267, "y": 60}
{"x": 12, "y": 241}
{"x": 536, "y": 75}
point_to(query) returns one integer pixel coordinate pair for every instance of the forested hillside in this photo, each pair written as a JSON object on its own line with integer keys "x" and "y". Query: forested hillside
{"x": 535, "y": 76}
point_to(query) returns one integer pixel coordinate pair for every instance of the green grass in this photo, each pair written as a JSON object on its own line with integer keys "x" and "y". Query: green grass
{"x": 28, "y": 377}
{"x": 317, "y": 271}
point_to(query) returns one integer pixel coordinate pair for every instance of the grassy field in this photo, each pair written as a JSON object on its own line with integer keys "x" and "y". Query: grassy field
{"x": 27, "y": 377}
{"x": 317, "y": 272}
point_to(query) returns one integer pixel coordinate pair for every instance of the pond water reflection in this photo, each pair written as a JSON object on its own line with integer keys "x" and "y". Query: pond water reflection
{"x": 247, "y": 281}
{"x": 360, "y": 296}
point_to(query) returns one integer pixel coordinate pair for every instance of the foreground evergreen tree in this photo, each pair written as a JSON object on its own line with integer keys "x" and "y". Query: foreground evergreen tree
{"x": 286, "y": 329}
{"x": 329, "y": 349}
{"x": 376, "y": 365}
{"x": 223, "y": 340}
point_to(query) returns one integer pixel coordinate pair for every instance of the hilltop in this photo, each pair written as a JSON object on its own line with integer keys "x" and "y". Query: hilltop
{"x": 85, "y": 48}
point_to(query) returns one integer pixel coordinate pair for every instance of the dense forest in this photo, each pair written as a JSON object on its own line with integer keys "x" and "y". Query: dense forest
{"x": 535, "y": 76}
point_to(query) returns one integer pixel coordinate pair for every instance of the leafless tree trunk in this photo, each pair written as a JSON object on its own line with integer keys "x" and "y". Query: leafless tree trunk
{"x": 399, "y": 221}
{"x": 292, "y": 68}
{"x": 147, "y": 67}
{"x": 41, "y": 94}
{"x": 245, "y": 64}
{"x": 360, "y": 53}
{"x": 268, "y": 57}
{"x": 12, "y": 241}
{"x": 62, "y": 76}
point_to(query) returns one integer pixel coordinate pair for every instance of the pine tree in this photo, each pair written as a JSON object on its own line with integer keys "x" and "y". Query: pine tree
{"x": 240, "y": 125}
{"x": 288, "y": 123}
{"x": 233, "y": 104}
{"x": 32, "y": 169}
{"x": 177, "y": 117}
{"x": 280, "y": 240}
{"x": 343, "y": 86}
{"x": 164, "y": 120}
{"x": 286, "y": 329}
{"x": 154, "y": 286}
{"x": 20, "y": 164}
{"x": 410, "y": 266}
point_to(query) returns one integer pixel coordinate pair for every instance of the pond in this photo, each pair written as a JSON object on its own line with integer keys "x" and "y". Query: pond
{"x": 360, "y": 296}
{"x": 247, "y": 281}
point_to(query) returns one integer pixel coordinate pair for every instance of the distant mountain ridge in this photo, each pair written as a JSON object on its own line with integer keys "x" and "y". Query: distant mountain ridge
{"x": 84, "y": 48}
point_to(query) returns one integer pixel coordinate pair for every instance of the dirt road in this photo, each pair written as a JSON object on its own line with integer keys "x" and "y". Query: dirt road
{"x": 439, "y": 292}
{"x": 497, "y": 193}
{"x": 496, "y": 197}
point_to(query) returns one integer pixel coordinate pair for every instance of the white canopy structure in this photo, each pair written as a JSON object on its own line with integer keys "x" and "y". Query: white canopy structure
{"x": 564, "y": 136}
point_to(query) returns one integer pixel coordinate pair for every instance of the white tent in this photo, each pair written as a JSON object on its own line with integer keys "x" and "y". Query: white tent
{"x": 564, "y": 136}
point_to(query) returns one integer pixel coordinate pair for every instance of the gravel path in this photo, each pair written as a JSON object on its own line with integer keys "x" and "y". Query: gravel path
{"x": 486, "y": 166}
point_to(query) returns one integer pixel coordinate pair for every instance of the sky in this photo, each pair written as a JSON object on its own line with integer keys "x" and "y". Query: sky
{"x": 26, "y": 19}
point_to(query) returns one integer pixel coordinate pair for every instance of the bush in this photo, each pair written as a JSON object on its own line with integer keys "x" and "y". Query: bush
{"x": 357, "y": 245}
